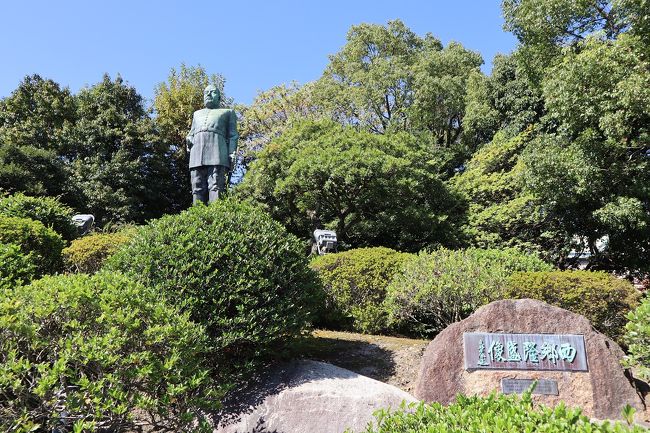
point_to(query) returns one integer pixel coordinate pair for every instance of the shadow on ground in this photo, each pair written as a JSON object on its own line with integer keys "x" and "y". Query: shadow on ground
{"x": 362, "y": 357}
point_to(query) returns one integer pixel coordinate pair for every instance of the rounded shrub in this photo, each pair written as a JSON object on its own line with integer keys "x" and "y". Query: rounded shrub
{"x": 355, "y": 284}
{"x": 602, "y": 298}
{"x": 438, "y": 288}
{"x": 234, "y": 269}
{"x": 15, "y": 267}
{"x": 48, "y": 210}
{"x": 502, "y": 413}
{"x": 88, "y": 254}
{"x": 637, "y": 338}
{"x": 87, "y": 353}
{"x": 42, "y": 243}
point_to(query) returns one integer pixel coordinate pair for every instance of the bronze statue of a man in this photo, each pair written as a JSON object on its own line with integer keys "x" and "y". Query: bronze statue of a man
{"x": 212, "y": 142}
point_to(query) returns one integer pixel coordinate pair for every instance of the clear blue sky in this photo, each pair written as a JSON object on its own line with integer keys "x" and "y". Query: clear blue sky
{"x": 254, "y": 44}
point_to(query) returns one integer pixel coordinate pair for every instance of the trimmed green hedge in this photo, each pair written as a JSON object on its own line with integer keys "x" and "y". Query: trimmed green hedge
{"x": 602, "y": 298}
{"x": 16, "y": 268}
{"x": 439, "y": 288}
{"x": 94, "y": 349}
{"x": 43, "y": 244}
{"x": 88, "y": 254}
{"x": 234, "y": 269}
{"x": 48, "y": 210}
{"x": 355, "y": 284}
{"x": 502, "y": 413}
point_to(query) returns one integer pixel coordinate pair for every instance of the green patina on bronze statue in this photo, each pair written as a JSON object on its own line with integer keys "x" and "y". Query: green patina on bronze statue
{"x": 212, "y": 143}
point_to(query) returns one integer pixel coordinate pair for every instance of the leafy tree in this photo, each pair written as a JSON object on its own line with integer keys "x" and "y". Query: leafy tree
{"x": 507, "y": 99}
{"x": 580, "y": 172}
{"x": 272, "y": 112}
{"x": 440, "y": 83}
{"x": 552, "y": 22}
{"x": 543, "y": 27}
{"x": 502, "y": 212}
{"x": 482, "y": 119}
{"x": 370, "y": 81}
{"x": 593, "y": 174}
{"x": 372, "y": 189}
{"x": 118, "y": 163}
{"x": 174, "y": 103}
{"x": 34, "y": 171}
{"x": 36, "y": 114}
{"x": 34, "y": 120}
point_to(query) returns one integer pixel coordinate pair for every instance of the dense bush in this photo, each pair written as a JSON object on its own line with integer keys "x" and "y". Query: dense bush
{"x": 602, "y": 298}
{"x": 439, "y": 288}
{"x": 637, "y": 338}
{"x": 15, "y": 267}
{"x": 503, "y": 413}
{"x": 355, "y": 284}
{"x": 234, "y": 269}
{"x": 88, "y": 254}
{"x": 48, "y": 210}
{"x": 34, "y": 238}
{"x": 80, "y": 353}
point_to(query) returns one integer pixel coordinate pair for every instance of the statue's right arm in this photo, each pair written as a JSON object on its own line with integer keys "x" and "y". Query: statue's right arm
{"x": 188, "y": 138}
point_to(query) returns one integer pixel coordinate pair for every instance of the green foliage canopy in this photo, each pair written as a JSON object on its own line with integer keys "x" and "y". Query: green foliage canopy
{"x": 441, "y": 287}
{"x": 371, "y": 189}
{"x": 15, "y": 267}
{"x": 234, "y": 270}
{"x": 81, "y": 353}
{"x": 602, "y": 298}
{"x": 48, "y": 210}
{"x": 42, "y": 244}
{"x": 355, "y": 285}
{"x": 637, "y": 338}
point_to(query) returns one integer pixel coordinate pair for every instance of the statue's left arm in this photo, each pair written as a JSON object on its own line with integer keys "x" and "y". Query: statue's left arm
{"x": 233, "y": 136}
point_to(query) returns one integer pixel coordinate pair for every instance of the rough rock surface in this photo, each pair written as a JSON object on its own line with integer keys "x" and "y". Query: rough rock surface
{"x": 308, "y": 397}
{"x": 602, "y": 391}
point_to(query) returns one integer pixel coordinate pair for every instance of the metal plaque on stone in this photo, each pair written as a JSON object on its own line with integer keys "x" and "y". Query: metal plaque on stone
{"x": 498, "y": 351}
{"x": 519, "y": 386}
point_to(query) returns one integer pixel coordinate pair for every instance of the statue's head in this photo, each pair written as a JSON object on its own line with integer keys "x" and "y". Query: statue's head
{"x": 211, "y": 96}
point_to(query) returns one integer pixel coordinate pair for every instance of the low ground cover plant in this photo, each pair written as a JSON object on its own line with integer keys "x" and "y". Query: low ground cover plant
{"x": 43, "y": 244}
{"x": 502, "y": 413}
{"x": 234, "y": 270}
{"x": 601, "y": 297}
{"x": 81, "y": 353}
{"x": 48, "y": 210}
{"x": 355, "y": 284}
{"x": 435, "y": 289}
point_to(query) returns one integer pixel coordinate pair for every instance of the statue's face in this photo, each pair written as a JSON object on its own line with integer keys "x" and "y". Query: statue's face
{"x": 211, "y": 97}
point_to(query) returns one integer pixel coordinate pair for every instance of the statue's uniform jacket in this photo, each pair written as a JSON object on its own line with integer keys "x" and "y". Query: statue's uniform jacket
{"x": 213, "y": 137}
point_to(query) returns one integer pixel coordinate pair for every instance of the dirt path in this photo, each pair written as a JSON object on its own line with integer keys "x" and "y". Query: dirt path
{"x": 391, "y": 360}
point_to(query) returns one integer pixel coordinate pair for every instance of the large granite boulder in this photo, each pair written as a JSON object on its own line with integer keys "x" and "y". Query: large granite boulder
{"x": 602, "y": 391}
{"x": 307, "y": 397}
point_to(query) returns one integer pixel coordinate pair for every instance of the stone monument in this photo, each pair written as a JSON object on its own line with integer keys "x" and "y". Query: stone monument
{"x": 506, "y": 345}
{"x": 212, "y": 143}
